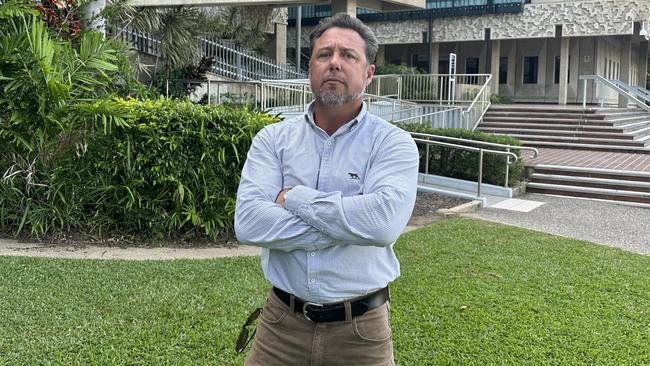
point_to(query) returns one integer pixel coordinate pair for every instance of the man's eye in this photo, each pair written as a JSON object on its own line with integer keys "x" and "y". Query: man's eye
{"x": 323, "y": 55}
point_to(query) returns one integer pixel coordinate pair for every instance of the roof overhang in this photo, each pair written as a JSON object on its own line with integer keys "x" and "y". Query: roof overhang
{"x": 369, "y": 4}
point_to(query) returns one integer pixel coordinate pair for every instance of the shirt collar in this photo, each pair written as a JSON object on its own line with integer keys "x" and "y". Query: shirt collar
{"x": 349, "y": 126}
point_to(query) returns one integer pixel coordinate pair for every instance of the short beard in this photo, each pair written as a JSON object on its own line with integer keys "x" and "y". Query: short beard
{"x": 331, "y": 98}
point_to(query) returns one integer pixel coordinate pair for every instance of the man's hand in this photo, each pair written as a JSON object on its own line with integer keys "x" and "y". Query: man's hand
{"x": 280, "y": 197}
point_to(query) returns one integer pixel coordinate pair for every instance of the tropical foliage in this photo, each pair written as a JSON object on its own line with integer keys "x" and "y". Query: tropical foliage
{"x": 178, "y": 30}
{"x": 45, "y": 105}
{"x": 173, "y": 170}
{"x": 74, "y": 156}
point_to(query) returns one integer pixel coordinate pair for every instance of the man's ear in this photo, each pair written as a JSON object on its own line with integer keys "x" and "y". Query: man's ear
{"x": 370, "y": 72}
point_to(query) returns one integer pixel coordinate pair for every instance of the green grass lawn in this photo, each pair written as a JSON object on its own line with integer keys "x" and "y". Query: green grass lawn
{"x": 471, "y": 293}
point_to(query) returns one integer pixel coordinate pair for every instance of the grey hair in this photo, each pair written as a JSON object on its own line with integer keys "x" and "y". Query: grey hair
{"x": 345, "y": 21}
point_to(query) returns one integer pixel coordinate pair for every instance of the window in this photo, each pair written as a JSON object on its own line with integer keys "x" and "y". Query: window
{"x": 530, "y": 69}
{"x": 471, "y": 65}
{"x": 503, "y": 70}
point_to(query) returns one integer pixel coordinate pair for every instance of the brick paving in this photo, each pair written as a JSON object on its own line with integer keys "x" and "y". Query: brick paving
{"x": 590, "y": 159}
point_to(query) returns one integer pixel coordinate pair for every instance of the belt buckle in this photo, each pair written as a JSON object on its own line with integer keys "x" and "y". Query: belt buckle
{"x": 304, "y": 309}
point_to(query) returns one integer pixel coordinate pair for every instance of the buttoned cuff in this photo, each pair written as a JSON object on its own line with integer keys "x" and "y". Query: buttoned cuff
{"x": 299, "y": 198}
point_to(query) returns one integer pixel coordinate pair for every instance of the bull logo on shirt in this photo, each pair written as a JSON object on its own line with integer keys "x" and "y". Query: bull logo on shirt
{"x": 353, "y": 175}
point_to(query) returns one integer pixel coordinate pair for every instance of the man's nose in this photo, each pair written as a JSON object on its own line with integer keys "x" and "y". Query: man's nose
{"x": 335, "y": 62}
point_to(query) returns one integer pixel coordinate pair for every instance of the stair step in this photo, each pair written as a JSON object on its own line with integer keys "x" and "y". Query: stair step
{"x": 588, "y": 192}
{"x": 544, "y": 109}
{"x": 560, "y": 121}
{"x": 592, "y": 182}
{"x": 541, "y": 126}
{"x": 549, "y": 132}
{"x": 625, "y": 121}
{"x": 543, "y": 115}
{"x": 622, "y": 114}
{"x": 578, "y": 140}
{"x": 594, "y": 147}
{"x": 621, "y": 175}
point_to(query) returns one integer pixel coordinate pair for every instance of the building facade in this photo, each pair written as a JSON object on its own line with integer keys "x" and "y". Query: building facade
{"x": 535, "y": 53}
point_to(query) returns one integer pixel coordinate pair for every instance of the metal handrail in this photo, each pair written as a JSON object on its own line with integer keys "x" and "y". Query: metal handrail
{"x": 637, "y": 91}
{"x": 607, "y": 82}
{"x": 431, "y": 116}
{"x": 471, "y": 106}
{"x": 507, "y": 148}
{"x": 485, "y": 143}
{"x": 481, "y": 151}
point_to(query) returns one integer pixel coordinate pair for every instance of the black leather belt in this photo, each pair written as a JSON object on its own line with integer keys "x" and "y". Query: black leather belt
{"x": 321, "y": 313}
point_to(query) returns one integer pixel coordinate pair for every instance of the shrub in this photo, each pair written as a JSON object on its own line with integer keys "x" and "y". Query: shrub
{"x": 498, "y": 99}
{"x": 172, "y": 170}
{"x": 461, "y": 164}
{"x": 388, "y": 69}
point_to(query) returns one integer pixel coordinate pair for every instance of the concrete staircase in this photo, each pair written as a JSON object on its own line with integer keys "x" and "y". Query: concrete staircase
{"x": 571, "y": 127}
{"x": 609, "y": 185}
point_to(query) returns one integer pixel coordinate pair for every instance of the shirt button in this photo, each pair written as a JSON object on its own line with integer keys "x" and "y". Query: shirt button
{"x": 329, "y": 143}
{"x": 313, "y": 254}
{"x": 312, "y": 280}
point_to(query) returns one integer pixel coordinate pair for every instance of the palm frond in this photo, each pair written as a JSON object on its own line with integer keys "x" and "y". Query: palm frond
{"x": 16, "y": 8}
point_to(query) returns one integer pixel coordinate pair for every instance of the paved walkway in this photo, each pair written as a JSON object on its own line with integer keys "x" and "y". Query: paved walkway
{"x": 14, "y": 248}
{"x": 590, "y": 159}
{"x": 615, "y": 225}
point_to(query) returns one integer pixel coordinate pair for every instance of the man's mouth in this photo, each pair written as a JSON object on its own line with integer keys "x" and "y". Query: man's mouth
{"x": 333, "y": 80}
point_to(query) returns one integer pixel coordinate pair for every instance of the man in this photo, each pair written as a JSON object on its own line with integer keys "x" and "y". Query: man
{"x": 327, "y": 195}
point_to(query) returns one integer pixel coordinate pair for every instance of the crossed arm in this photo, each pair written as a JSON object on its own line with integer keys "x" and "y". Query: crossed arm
{"x": 310, "y": 219}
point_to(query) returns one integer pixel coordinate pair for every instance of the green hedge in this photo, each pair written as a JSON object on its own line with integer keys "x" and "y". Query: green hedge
{"x": 461, "y": 164}
{"x": 171, "y": 170}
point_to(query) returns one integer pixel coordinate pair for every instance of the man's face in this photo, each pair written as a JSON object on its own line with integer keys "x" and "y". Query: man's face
{"x": 338, "y": 69}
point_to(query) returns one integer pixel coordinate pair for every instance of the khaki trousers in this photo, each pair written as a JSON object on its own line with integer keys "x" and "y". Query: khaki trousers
{"x": 285, "y": 337}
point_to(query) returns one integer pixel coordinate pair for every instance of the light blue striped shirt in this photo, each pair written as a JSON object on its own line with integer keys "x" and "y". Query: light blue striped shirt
{"x": 352, "y": 195}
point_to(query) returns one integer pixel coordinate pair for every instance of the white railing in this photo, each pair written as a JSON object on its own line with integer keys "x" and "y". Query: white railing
{"x": 430, "y": 88}
{"x": 606, "y": 83}
{"x": 141, "y": 41}
{"x": 230, "y": 60}
{"x": 476, "y": 110}
{"x": 503, "y": 147}
{"x": 240, "y": 63}
{"x": 385, "y": 86}
{"x": 445, "y": 117}
{"x": 291, "y": 96}
{"x": 637, "y": 91}
{"x": 511, "y": 158}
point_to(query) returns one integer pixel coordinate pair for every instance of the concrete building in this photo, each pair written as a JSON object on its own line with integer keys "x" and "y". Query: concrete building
{"x": 536, "y": 50}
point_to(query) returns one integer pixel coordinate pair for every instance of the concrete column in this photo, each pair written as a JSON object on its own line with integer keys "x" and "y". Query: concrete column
{"x": 512, "y": 67}
{"x": 380, "y": 59}
{"x": 345, "y": 6}
{"x": 434, "y": 58}
{"x": 494, "y": 65}
{"x": 404, "y": 57}
{"x": 626, "y": 66}
{"x": 280, "y": 43}
{"x": 564, "y": 70}
{"x": 483, "y": 65}
{"x": 643, "y": 63}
